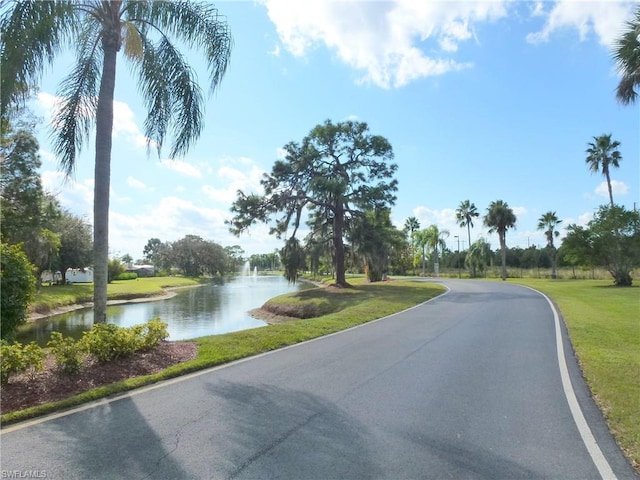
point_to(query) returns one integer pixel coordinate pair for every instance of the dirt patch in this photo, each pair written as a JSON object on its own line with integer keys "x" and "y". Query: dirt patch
{"x": 49, "y": 386}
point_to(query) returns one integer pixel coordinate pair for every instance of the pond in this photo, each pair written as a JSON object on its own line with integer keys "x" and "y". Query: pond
{"x": 195, "y": 312}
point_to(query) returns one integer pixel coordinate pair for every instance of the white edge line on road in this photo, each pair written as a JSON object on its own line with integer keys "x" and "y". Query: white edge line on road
{"x": 588, "y": 439}
{"x": 164, "y": 383}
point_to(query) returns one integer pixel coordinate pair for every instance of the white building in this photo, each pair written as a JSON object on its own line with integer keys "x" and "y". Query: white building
{"x": 79, "y": 275}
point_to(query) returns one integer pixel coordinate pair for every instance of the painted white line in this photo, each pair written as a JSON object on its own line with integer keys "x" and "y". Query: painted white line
{"x": 182, "y": 378}
{"x": 588, "y": 439}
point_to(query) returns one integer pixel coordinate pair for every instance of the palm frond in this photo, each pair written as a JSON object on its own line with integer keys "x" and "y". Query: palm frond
{"x": 198, "y": 24}
{"x": 32, "y": 34}
{"x": 75, "y": 114}
{"x": 626, "y": 54}
{"x": 171, "y": 94}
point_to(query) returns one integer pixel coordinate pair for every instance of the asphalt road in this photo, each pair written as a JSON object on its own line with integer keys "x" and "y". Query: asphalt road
{"x": 465, "y": 386}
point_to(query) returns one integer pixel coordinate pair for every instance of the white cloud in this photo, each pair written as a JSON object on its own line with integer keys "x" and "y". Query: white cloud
{"x": 537, "y": 10}
{"x": 617, "y": 188}
{"x": 74, "y": 195}
{"x": 48, "y": 157}
{"x": 585, "y": 218}
{"x": 519, "y": 212}
{"x": 276, "y": 51}
{"x": 124, "y": 125}
{"x": 172, "y": 218}
{"x": 45, "y": 104}
{"x": 247, "y": 180}
{"x": 137, "y": 184}
{"x": 444, "y": 219}
{"x": 602, "y": 18}
{"x": 385, "y": 40}
{"x": 182, "y": 168}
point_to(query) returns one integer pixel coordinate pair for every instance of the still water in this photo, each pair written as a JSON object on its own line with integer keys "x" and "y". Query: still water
{"x": 194, "y": 312}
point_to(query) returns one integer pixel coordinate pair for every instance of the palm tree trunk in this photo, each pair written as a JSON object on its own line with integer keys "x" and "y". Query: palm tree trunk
{"x": 338, "y": 244}
{"x": 472, "y": 271}
{"x": 102, "y": 180}
{"x": 609, "y": 186}
{"x": 503, "y": 254}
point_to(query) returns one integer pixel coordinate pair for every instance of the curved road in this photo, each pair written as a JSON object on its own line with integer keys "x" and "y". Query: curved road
{"x": 467, "y": 385}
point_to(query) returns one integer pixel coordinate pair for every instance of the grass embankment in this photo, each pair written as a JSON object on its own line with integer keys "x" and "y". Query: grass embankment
{"x": 339, "y": 308}
{"x": 57, "y": 296}
{"x": 604, "y": 326}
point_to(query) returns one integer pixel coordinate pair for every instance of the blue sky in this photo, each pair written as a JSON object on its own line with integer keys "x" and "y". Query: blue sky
{"x": 480, "y": 101}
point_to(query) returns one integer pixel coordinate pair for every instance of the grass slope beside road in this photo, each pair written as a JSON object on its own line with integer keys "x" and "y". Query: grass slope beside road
{"x": 339, "y": 308}
{"x": 604, "y": 326}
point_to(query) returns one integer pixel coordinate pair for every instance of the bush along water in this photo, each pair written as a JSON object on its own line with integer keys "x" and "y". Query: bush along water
{"x": 104, "y": 342}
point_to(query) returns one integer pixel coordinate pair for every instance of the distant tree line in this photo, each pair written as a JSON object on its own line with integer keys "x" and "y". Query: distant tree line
{"x": 51, "y": 237}
{"x": 193, "y": 256}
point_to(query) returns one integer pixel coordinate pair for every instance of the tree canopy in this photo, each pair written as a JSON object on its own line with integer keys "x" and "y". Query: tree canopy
{"x": 611, "y": 239}
{"x": 18, "y": 288}
{"x": 334, "y": 175}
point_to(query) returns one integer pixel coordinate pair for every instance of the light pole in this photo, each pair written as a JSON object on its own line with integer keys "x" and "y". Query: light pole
{"x": 458, "y": 256}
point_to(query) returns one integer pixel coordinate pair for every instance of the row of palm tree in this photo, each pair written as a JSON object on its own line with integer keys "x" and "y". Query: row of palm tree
{"x": 499, "y": 219}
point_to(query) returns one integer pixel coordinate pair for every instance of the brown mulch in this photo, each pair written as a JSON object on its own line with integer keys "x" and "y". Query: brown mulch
{"x": 24, "y": 390}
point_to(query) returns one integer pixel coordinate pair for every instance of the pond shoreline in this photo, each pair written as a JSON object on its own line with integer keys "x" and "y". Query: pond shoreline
{"x": 169, "y": 292}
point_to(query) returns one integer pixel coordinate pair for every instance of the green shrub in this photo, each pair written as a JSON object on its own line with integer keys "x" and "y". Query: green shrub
{"x": 34, "y": 357}
{"x": 18, "y": 286}
{"x": 67, "y": 353}
{"x": 114, "y": 268}
{"x": 108, "y": 342}
{"x": 154, "y": 332}
{"x": 11, "y": 360}
{"x": 127, "y": 276}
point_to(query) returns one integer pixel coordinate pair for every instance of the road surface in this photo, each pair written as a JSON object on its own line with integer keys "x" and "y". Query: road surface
{"x": 468, "y": 385}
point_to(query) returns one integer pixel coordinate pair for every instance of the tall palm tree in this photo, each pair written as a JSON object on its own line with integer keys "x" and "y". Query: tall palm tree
{"x": 411, "y": 225}
{"x": 603, "y": 154}
{"x": 434, "y": 240}
{"x": 34, "y": 32}
{"x": 499, "y": 219}
{"x": 465, "y": 213}
{"x": 626, "y": 54}
{"x": 548, "y": 222}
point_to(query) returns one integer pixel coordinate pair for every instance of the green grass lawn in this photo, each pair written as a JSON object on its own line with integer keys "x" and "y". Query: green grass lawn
{"x": 54, "y": 296}
{"x": 351, "y": 307}
{"x": 604, "y": 326}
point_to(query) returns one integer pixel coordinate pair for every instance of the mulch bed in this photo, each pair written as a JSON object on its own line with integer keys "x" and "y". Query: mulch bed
{"x": 24, "y": 391}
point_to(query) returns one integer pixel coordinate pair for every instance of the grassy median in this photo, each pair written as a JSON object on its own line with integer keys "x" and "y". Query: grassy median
{"x": 351, "y": 307}
{"x": 604, "y": 325}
